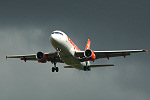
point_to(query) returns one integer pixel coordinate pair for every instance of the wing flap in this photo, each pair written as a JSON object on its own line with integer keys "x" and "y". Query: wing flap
{"x": 25, "y": 58}
{"x": 68, "y": 67}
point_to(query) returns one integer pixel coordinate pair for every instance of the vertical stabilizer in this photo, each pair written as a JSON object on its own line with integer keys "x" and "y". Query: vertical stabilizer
{"x": 88, "y": 44}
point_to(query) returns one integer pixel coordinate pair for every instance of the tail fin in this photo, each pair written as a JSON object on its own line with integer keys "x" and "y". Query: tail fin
{"x": 88, "y": 44}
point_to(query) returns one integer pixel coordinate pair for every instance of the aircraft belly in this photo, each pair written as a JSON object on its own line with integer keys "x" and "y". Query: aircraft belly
{"x": 72, "y": 61}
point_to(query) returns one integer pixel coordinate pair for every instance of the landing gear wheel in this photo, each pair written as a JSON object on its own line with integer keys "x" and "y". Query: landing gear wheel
{"x": 53, "y": 69}
{"x": 57, "y": 69}
{"x": 84, "y": 68}
{"x": 87, "y": 68}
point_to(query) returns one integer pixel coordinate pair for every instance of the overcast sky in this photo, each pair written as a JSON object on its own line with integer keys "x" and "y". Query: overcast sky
{"x": 25, "y": 27}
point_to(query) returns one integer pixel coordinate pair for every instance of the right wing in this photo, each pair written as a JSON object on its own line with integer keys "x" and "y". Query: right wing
{"x": 32, "y": 57}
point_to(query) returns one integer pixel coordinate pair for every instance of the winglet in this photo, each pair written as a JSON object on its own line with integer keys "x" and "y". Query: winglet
{"x": 88, "y": 44}
{"x": 6, "y": 57}
{"x": 146, "y": 51}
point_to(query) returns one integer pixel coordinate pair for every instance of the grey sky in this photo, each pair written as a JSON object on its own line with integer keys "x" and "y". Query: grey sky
{"x": 25, "y": 27}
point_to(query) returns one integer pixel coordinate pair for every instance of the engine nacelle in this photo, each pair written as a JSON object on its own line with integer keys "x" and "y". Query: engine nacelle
{"x": 42, "y": 58}
{"x": 89, "y": 54}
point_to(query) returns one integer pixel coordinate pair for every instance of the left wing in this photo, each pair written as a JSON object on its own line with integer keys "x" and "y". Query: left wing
{"x": 32, "y": 57}
{"x": 107, "y": 54}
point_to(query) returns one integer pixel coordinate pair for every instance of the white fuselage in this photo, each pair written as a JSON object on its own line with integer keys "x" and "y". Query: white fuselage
{"x": 60, "y": 40}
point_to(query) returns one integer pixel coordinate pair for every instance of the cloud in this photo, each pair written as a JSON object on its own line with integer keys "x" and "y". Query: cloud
{"x": 26, "y": 26}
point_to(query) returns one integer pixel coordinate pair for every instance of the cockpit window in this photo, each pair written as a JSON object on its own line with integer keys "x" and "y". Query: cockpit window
{"x": 57, "y": 33}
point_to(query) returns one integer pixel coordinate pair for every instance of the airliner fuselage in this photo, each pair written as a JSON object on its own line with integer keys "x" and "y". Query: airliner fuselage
{"x": 60, "y": 40}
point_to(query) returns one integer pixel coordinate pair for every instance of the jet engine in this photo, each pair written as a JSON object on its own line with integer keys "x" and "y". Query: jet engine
{"x": 89, "y": 54}
{"x": 42, "y": 58}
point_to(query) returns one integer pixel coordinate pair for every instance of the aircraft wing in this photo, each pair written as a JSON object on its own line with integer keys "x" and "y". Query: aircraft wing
{"x": 32, "y": 57}
{"x": 108, "y": 54}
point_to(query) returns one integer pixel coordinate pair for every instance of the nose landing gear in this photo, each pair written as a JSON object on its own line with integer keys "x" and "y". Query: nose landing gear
{"x": 54, "y": 60}
{"x": 55, "y": 68}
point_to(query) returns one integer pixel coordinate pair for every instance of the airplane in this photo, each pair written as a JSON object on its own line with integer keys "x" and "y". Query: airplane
{"x": 67, "y": 52}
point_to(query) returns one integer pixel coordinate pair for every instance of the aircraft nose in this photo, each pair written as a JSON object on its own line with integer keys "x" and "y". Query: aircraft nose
{"x": 55, "y": 39}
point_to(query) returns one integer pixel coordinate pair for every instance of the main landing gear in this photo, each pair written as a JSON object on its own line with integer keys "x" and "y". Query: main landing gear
{"x": 87, "y": 68}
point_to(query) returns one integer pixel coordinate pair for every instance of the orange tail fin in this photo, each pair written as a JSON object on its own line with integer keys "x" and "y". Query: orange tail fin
{"x": 88, "y": 44}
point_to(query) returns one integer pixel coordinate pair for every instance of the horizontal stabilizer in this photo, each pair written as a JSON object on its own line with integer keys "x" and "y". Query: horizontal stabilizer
{"x": 68, "y": 67}
{"x": 93, "y": 66}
